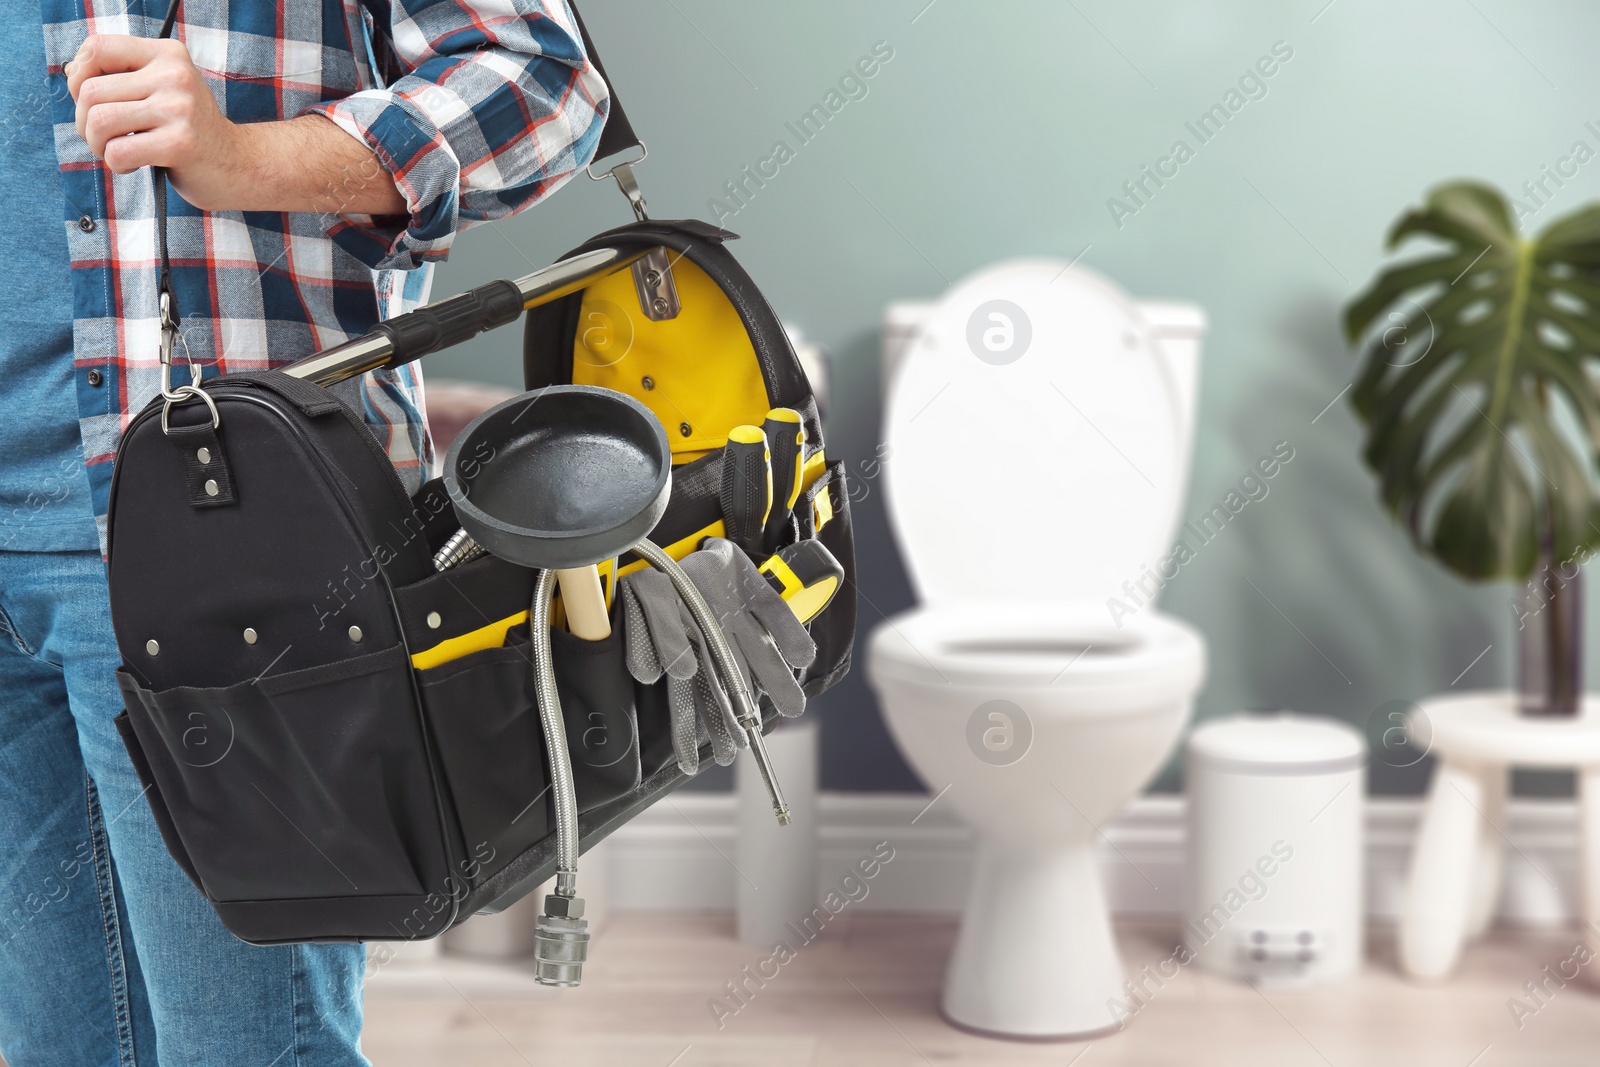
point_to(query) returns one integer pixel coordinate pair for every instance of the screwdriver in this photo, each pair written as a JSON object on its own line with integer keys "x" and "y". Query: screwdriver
{"x": 786, "y": 438}
{"x": 746, "y": 495}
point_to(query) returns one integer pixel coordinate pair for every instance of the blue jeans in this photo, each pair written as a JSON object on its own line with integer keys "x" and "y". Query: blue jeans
{"x": 108, "y": 955}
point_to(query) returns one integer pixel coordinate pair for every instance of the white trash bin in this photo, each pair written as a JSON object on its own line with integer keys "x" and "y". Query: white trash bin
{"x": 1275, "y": 847}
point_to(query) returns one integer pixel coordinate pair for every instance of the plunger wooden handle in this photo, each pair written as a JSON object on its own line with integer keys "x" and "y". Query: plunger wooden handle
{"x": 585, "y": 603}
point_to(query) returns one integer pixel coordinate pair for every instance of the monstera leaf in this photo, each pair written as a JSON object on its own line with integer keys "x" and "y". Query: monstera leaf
{"x": 1482, "y": 418}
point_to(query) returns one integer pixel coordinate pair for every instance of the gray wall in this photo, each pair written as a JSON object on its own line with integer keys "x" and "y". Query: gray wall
{"x": 1003, "y": 128}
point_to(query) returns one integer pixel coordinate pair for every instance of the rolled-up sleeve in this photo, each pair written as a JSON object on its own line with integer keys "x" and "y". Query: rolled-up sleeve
{"x": 498, "y": 107}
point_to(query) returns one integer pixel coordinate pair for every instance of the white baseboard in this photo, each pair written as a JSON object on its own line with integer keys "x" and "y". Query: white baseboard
{"x": 679, "y": 855}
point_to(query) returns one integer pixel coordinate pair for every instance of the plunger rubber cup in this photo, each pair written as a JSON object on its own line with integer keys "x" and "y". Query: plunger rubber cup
{"x": 560, "y": 479}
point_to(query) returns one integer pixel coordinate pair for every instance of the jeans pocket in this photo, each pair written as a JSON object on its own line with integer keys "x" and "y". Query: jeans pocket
{"x": 310, "y": 784}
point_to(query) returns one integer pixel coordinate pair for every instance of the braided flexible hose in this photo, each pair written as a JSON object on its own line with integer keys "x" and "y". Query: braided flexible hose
{"x": 555, "y": 736}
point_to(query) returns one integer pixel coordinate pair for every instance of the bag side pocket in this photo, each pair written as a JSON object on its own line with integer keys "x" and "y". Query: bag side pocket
{"x": 480, "y": 709}
{"x": 484, "y": 717}
{"x": 597, "y": 704}
{"x": 152, "y": 794}
{"x": 309, "y": 784}
{"x": 824, "y": 513}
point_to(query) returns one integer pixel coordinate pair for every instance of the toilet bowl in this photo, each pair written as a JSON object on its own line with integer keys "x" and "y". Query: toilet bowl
{"x": 1038, "y": 429}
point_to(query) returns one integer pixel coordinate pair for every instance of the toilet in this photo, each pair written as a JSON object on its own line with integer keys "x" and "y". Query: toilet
{"x": 1037, "y": 439}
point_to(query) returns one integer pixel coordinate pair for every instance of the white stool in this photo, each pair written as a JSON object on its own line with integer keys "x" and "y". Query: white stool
{"x": 1455, "y": 867}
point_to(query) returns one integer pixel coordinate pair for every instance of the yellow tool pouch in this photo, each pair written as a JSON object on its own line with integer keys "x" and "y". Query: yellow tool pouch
{"x": 686, "y": 332}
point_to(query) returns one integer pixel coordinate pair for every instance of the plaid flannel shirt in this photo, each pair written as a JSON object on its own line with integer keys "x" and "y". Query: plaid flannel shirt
{"x": 478, "y": 108}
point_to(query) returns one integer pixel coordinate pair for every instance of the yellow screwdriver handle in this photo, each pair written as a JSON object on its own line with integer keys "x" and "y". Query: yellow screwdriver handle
{"x": 786, "y": 439}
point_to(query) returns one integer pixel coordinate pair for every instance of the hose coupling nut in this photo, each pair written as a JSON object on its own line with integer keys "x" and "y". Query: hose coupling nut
{"x": 560, "y": 942}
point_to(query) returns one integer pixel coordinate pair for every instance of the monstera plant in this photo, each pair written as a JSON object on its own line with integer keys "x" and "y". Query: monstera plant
{"x": 1482, "y": 416}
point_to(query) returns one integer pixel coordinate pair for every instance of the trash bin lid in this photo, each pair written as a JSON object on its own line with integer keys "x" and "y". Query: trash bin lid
{"x": 1278, "y": 743}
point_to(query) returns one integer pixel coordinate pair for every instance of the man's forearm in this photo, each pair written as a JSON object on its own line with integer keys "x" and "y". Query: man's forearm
{"x": 143, "y": 103}
{"x": 303, "y": 164}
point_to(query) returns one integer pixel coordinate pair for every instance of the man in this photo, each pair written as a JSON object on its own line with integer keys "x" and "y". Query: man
{"x": 324, "y": 153}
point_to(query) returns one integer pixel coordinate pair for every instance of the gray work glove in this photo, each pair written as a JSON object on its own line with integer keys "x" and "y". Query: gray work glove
{"x": 766, "y": 638}
{"x": 660, "y": 639}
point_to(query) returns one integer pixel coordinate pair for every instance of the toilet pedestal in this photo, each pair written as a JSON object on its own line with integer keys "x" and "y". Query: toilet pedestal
{"x": 1036, "y": 957}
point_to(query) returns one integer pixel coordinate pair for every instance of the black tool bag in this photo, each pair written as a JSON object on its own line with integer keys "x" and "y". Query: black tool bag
{"x": 341, "y": 743}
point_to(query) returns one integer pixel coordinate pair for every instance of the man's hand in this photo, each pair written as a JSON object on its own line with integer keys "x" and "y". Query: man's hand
{"x": 142, "y": 102}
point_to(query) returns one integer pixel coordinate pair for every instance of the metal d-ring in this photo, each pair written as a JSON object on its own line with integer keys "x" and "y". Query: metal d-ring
{"x": 602, "y": 176}
{"x": 189, "y": 390}
{"x": 623, "y": 173}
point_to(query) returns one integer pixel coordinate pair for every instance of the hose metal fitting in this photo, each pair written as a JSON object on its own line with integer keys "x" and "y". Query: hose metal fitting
{"x": 560, "y": 942}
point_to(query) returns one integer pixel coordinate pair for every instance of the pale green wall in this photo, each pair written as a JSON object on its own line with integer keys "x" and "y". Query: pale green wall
{"x": 1001, "y": 129}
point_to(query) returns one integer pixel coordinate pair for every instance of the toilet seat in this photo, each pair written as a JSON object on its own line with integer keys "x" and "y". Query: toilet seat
{"x": 1048, "y": 467}
{"x": 1075, "y": 653}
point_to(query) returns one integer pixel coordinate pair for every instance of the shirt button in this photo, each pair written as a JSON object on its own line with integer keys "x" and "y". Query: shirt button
{"x": 95, "y": 378}
{"x": 85, "y": 223}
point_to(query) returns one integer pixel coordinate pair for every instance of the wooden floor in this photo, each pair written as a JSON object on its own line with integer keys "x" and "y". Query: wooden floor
{"x": 866, "y": 993}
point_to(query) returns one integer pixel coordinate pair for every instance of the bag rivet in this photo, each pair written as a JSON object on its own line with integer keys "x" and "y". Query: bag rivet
{"x": 153, "y": 647}
{"x": 435, "y": 620}
{"x": 249, "y": 635}
{"x": 648, "y": 382}
{"x": 204, "y": 455}
{"x": 211, "y": 487}
{"x": 355, "y": 633}
{"x": 652, "y": 278}
{"x": 685, "y": 429}
{"x": 660, "y": 305}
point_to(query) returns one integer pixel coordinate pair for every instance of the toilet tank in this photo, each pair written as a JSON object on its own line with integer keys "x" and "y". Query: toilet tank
{"x": 1179, "y": 328}
{"x": 901, "y": 321}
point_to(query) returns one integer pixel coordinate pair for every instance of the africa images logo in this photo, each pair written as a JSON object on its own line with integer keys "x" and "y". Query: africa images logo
{"x": 999, "y": 733}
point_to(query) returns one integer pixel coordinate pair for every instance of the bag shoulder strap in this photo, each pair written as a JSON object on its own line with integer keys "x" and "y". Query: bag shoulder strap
{"x": 618, "y": 135}
{"x": 168, "y": 307}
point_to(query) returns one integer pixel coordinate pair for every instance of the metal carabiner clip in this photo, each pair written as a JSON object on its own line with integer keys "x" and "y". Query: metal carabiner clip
{"x": 171, "y": 396}
{"x": 169, "y": 337}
